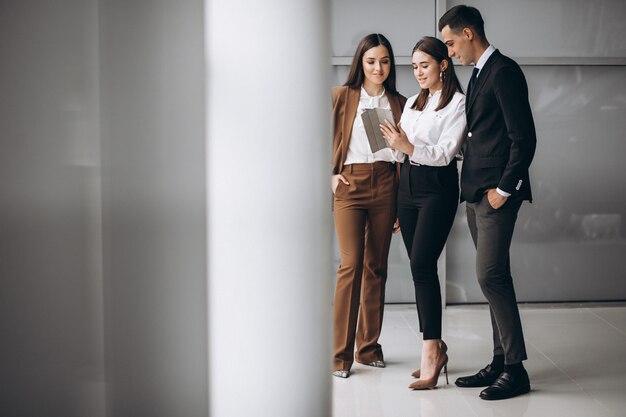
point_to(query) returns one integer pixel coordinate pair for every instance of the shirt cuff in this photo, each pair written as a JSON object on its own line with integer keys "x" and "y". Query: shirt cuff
{"x": 503, "y": 193}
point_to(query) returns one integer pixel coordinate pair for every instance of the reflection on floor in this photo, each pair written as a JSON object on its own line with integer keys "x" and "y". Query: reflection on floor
{"x": 577, "y": 365}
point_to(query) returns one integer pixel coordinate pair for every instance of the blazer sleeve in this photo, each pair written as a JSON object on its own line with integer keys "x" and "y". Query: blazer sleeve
{"x": 335, "y": 93}
{"x": 338, "y": 111}
{"x": 511, "y": 92}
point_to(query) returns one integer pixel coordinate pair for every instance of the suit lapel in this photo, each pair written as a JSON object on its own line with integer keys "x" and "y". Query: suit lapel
{"x": 352, "y": 103}
{"x": 482, "y": 78}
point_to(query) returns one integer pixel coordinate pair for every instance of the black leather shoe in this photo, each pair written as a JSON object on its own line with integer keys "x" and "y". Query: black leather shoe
{"x": 484, "y": 378}
{"x": 507, "y": 386}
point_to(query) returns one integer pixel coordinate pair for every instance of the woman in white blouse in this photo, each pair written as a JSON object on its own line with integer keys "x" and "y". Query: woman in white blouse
{"x": 364, "y": 185}
{"x": 430, "y": 135}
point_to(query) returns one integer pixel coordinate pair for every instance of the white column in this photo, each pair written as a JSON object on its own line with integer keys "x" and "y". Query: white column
{"x": 269, "y": 223}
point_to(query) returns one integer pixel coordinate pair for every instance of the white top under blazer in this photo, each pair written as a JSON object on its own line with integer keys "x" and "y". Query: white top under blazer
{"x": 436, "y": 135}
{"x": 359, "y": 151}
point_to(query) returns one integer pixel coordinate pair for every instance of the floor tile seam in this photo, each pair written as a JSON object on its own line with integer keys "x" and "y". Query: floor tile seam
{"x": 413, "y": 331}
{"x": 564, "y": 372}
{"x": 606, "y": 321}
{"x": 601, "y": 404}
{"x": 465, "y": 400}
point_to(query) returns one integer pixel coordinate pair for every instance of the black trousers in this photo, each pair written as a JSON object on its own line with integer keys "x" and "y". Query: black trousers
{"x": 492, "y": 232}
{"x": 427, "y": 202}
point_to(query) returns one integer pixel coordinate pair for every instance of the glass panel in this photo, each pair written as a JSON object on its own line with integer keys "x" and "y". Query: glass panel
{"x": 569, "y": 243}
{"x": 403, "y": 22}
{"x": 555, "y": 28}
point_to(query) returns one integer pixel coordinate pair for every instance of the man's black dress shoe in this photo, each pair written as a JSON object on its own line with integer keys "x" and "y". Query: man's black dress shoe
{"x": 507, "y": 385}
{"x": 484, "y": 378}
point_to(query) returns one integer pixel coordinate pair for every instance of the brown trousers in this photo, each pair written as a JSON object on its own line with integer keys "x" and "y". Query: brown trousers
{"x": 364, "y": 213}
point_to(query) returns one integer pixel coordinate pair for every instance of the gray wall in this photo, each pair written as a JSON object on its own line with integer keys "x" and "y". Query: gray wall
{"x": 153, "y": 170}
{"x": 569, "y": 243}
{"x": 51, "y": 317}
{"x": 102, "y": 209}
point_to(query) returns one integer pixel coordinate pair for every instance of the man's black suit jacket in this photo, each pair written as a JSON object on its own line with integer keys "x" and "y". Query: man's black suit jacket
{"x": 500, "y": 140}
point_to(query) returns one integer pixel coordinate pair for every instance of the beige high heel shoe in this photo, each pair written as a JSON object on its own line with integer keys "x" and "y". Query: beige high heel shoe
{"x": 444, "y": 349}
{"x": 442, "y": 362}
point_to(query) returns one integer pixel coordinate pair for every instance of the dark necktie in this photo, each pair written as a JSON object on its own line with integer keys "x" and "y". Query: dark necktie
{"x": 472, "y": 82}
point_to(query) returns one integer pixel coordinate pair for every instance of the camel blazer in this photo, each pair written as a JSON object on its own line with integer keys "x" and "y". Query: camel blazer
{"x": 345, "y": 103}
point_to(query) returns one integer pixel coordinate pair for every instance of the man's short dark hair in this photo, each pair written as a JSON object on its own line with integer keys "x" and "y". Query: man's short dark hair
{"x": 462, "y": 16}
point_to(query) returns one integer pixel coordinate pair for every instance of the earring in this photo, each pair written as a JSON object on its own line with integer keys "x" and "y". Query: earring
{"x": 441, "y": 76}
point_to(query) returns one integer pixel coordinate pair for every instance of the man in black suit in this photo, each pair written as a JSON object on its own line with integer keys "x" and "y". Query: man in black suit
{"x": 499, "y": 147}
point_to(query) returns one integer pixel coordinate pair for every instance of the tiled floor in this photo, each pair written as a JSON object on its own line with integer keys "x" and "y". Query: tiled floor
{"x": 577, "y": 366}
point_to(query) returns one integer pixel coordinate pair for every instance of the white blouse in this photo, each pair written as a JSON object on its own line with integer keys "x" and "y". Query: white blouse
{"x": 359, "y": 149}
{"x": 436, "y": 135}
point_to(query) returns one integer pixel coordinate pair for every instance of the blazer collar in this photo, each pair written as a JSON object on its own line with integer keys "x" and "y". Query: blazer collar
{"x": 482, "y": 77}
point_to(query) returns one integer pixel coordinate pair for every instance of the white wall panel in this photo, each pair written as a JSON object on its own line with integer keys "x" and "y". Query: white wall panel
{"x": 269, "y": 200}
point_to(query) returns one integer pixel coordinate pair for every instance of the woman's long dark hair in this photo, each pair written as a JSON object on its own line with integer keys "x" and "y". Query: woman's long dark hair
{"x": 357, "y": 76}
{"x": 438, "y": 50}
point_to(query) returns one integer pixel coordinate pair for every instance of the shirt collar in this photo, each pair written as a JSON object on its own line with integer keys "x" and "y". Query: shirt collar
{"x": 484, "y": 57}
{"x": 436, "y": 93}
{"x": 365, "y": 95}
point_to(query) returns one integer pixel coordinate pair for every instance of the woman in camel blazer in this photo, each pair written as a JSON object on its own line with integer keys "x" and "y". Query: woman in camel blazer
{"x": 364, "y": 185}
